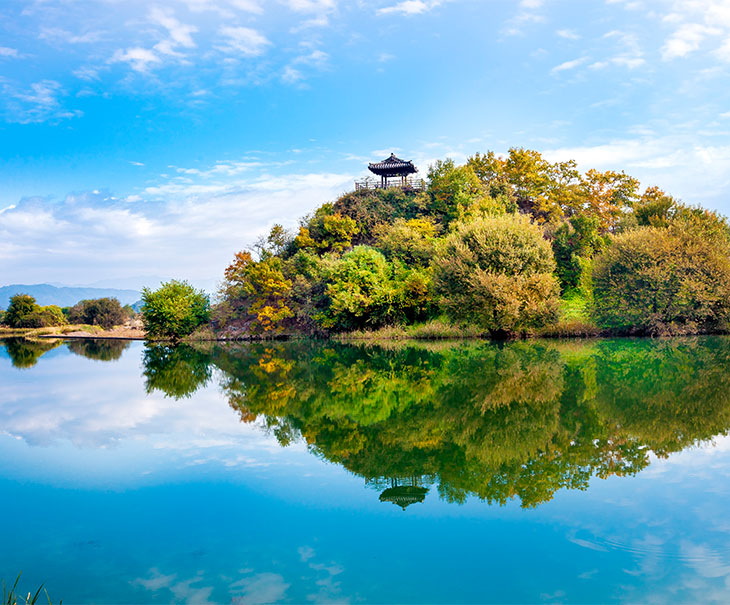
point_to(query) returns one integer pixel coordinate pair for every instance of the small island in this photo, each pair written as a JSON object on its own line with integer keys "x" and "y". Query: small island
{"x": 500, "y": 247}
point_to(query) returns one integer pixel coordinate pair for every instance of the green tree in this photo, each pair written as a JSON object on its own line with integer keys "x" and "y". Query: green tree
{"x": 659, "y": 281}
{"x": 452, "y": 189}
{"x": 409, "y": 241}
{"x": 174, "y": 310}
{"x": 498, "y": 273}
{"x": 24, "y": 312}
{"x": 19, "y": 311}
{"x": 326, "y": 231}
{"x": 358, "y": 290}
{"x": 574, "y": 244}
{"x": 104, "y": 312}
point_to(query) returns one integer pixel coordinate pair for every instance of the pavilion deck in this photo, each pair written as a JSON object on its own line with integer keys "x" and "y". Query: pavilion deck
{"x": 408, "y": 183}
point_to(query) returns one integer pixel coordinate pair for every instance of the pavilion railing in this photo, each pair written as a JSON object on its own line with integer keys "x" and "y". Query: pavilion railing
{"x": 392, "y": 183}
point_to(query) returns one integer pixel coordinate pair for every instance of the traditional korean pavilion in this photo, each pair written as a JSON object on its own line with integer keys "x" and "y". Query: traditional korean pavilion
{"x": 393, "y": 172}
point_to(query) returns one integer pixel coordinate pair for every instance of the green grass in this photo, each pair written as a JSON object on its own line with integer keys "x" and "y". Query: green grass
{"x": 574, "y": 306}
{"x": 436, "y": 329}
{"x": 12, "y": 597}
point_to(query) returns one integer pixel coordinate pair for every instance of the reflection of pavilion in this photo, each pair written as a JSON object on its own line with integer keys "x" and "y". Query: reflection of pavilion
{"x": 404, "y": 495}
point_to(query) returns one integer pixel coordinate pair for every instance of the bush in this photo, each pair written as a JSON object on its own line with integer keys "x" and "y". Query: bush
{"x": 497, "y": 273}
{"x": 104, "y": 312}
{"x": 409, "y": 241}
{"x": 174, "y": 310}
{"x": 657, "y": 281}
{"x": 24, "y": 312}
{"x": 358, "y": 290}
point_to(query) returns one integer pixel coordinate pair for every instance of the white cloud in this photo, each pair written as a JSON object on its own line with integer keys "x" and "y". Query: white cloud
{"x": 244, "y": 40}
{"x": 568, "y": 65}
{"x": 687, "y": 39}
{"x": 57, "y": 34}
{"x": 191, "y": 224}
{"x": 8, "y": 52}
{"x": 694, "y": 171}
{"x": 409, "y": 7}
{"x": 139, "y": 59}
{"x": 39, "y": 103}
{"x": 312, "y": 6}
{"x": 568, "y": 34}
{"x": 179, "y": 34}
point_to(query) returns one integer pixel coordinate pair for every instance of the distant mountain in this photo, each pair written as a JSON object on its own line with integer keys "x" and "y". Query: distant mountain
{"x": 46, "y": 294}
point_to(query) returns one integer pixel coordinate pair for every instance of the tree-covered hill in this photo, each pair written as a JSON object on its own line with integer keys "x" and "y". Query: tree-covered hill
{"x": 511, "y": 245}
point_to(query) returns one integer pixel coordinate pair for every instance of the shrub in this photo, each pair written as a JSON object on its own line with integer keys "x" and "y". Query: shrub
{"x": 24, "y": 312}
{"x": 497, "y": 273}
{"x": 358, "y": 288}
{"x": 104, "y": 312}
{"x": 409, "y": 241}
{"x": 663, "y": 281}
{"x": 174, "y": 310}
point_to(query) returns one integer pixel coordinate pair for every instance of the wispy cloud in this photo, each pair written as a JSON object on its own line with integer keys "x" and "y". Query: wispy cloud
{"x": 526, "y": 15}
{"x": 139, "y": 59}
{"x": 243, "y": 41}
{"x": 9, "y": 52}
{"x": 568, "y": 65}
{"x": 567, "y": 34}
{"x": 38, "y": 103}
{"x": 409, "y": 7}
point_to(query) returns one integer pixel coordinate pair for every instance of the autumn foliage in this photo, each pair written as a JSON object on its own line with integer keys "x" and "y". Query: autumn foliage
{"x": 493, "y": 243}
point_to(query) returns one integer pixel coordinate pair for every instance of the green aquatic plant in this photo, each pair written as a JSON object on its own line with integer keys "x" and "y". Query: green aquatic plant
{"x": 12, "y": 597}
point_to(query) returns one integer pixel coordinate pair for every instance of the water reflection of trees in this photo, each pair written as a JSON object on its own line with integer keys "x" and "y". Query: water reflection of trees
{"x": 521, "y": 419}
{"x": 177, "y": 371}
{"x": 25, "y": 353}
{"x": 99, "y": 349}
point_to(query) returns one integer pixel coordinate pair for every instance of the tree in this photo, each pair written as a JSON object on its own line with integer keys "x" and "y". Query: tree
{"x": 452, "y": 189}
{"x": 659, "y": 281}
{"x": 574, "y": 244}
{"x": 20, "y": 309}
{"x": 24, "y": 312}
{"x": 497, "y": 273}
{"x": 608, "y": 195}
{"x": 258, "y": 289}
{"x": 409, "y": 241}
{"x": 327, "y": 231}
{"x": 104, "y": 312}
{"x": 358, "y": 290}
{"x": 174, "y": 310}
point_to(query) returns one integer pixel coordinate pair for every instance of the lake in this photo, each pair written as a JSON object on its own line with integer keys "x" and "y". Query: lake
{"x": 552, "y": 471}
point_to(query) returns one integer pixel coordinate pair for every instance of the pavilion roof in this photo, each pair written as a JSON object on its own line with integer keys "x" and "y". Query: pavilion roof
{"x": 392, "y": 166}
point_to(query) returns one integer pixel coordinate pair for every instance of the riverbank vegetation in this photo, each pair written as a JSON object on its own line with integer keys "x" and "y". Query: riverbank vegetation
{"x": 499, "y": 246}
{"x": 102, "y": 317}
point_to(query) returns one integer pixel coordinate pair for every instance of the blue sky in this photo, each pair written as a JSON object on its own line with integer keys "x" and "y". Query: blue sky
{"x": 158, "y": 138}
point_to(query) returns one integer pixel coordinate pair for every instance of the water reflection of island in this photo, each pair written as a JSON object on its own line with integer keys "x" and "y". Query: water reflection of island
{"x": 25, "y": 352}
{"x": 518, "y": 420}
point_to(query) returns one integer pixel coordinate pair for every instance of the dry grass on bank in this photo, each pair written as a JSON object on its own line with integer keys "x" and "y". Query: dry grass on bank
{"x": 73, "y": 331}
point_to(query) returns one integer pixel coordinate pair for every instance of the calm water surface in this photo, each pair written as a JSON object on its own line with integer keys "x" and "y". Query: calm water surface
{"x": 308, "y": 472}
